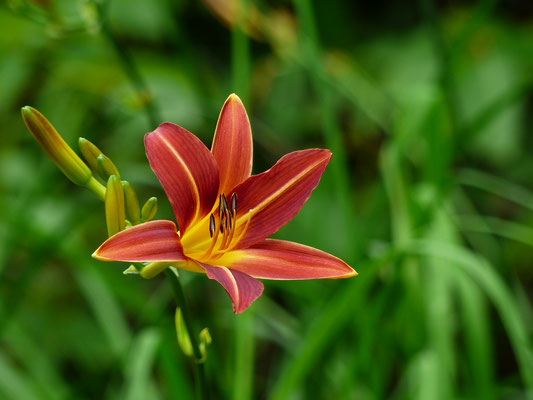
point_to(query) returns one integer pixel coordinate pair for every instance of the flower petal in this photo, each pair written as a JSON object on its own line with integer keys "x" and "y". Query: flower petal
{"x": 151, "y": 241}
{"x": 241, "y": 288}
{"x": 232, "y": 145}
{"x": 279, "y": 259}
{"x": 269, "y": 200}
{"x": 186, "y": 169}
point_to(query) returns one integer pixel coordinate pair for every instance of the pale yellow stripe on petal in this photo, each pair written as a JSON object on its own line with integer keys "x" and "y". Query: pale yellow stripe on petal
{"x": 195, "y": 191}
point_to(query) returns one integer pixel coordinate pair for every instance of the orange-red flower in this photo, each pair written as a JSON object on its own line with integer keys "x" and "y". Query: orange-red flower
{"x": 224, "y": 215}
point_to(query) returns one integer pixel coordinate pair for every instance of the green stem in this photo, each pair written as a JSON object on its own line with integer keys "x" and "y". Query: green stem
{"x": 97, "y": 188}
{"x": 201, "y": 392}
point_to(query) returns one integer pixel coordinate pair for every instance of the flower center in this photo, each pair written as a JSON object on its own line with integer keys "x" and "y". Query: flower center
{"x": 223, "y": 228}
{"x": 225, "y": 225}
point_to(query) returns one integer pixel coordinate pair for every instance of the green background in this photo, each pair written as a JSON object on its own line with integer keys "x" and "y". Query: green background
{"x": 427, "y": 108}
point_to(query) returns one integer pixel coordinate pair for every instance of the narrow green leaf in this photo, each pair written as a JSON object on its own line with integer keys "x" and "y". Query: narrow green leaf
{"x": 139, "y": 365}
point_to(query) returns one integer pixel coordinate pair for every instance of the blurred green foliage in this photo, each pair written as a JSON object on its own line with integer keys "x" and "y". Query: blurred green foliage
{"x": 427, "y": 108}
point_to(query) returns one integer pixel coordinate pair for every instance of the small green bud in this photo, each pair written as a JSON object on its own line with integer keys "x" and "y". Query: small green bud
{"x": 133, "y": 212}
{"x": 184, "y": 339}
{"x": 90, "y": 152}
{"x": 56, "y": 148}
{"x": 205, "y": 340}
{"x": 106, "y": 167}
{"x": 149, "y": 209}
{"x": 114, "y": 206}
{"x": 205, "y": 336}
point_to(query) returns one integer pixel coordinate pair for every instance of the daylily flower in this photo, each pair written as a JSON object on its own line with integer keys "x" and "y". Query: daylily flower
{"x": 225, "y": 215}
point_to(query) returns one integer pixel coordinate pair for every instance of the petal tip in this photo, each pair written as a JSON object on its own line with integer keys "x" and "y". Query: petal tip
{"x": 97, "y": 255}
{"x": 234, "y": 97}
{"x": 160, "y": 127}
{"x": 327, "y": 153}
{"x": 350, "y": 274}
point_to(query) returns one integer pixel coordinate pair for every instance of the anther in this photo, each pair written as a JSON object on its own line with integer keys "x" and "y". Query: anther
{"x": 233, "y": 204}
{"x": 225, "y": 202}
{"x": 220, "y": 207}
{"x": 212, "y": 226}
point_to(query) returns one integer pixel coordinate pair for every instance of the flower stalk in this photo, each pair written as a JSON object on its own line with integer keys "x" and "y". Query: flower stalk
{"x": 197, "y": 355}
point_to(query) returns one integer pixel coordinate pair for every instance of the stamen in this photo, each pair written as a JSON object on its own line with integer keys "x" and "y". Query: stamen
{"x": 214, "y": 235}
{"x": 226, "y": 226}
{"x": 223, "y": 222}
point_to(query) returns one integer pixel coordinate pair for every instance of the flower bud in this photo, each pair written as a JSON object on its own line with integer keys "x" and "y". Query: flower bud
{"x": 149, "y": 209}
{"x": 90, "y": 152}
{"x": 56, "y": 148}
{"x": 205, "y": 340}
{"x": 106, "y": 168}
{"x": 133, "y": 211}
{"x": 114, "y": 206}
{"x": 184, "y": 339}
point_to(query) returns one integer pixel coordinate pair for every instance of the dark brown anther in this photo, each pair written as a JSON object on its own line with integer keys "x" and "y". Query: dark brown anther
{"x": 225, "y": 202}
{"x": 220, "y": 207}
{"x": 212, "y": 225}
{"x": 233, "y": 204}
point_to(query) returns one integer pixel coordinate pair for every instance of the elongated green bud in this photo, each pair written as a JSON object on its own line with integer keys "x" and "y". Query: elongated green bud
{"x": 184, "y": 339}
{"x": 133, "y": 211}
{"x": 114, "y": 206}
{"x": 90, "y": 152}
{"x": 56, "y": 148}
{"x": 149, "y": 209}
{"x": 106, "y": 167}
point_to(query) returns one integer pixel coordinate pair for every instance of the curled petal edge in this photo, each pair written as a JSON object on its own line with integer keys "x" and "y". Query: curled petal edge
{"x": 242, "y": 289}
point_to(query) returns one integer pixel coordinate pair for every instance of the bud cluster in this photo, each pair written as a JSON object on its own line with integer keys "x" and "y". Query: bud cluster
{"x": 97, "y": 173}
